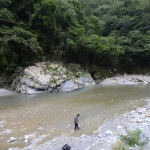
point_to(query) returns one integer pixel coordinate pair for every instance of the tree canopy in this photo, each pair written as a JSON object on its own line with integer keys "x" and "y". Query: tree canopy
{"x": 106, "y": 33}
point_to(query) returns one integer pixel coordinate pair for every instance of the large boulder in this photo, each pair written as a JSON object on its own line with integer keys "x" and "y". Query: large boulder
{"x": 68, "y": 86}
{"x": 51, "y": 76}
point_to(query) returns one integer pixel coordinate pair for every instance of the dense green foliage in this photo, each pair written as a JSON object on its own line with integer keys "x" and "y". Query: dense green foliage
{"x": 106, "y": 33}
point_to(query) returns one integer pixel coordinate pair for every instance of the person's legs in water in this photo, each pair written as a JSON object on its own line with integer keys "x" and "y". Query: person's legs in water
{"x": 76, "y": 126}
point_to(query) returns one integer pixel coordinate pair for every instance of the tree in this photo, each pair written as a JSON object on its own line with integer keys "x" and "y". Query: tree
{"x": 16, "y": 43}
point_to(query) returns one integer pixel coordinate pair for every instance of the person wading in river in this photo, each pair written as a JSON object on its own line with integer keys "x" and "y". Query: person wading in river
{"x": 76, "y": 121}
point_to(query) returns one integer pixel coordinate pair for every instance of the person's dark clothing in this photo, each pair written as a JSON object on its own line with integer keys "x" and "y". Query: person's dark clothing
{"x": 76, "y": 122}
{"x": 76, "y": 126}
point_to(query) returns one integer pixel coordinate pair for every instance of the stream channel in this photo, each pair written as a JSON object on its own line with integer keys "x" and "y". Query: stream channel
{"x": 44, "y": 117}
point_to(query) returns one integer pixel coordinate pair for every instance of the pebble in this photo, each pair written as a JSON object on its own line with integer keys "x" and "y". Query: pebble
{"x": 119, "y": 127}
{"x": 108, "y": 132}
{"x": 26, "y": 137}
{"x": 11, "y": 139}
{"x": 139, "y": 120}
{"x": 25, "y": 141}
{"x": 68, "y": 126}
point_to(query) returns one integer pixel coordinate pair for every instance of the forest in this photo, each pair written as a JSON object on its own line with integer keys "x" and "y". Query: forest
{"x": 113, "y": 34}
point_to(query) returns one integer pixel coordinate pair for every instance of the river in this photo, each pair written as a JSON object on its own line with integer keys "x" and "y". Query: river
{"x": 45, "y": 116}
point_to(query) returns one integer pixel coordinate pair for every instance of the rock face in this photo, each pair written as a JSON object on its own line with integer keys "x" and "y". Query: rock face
{"x": 51, "y": 76}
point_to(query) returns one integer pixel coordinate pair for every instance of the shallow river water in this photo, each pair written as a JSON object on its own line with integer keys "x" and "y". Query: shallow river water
{"x": 46, "y": 116}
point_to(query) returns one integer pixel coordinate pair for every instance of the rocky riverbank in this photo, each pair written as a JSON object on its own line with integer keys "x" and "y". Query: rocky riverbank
{"x": 38, "y": 79}
{"x": 51, "y": 76}
{"x": 56, "y": 76}
{"x": 137, "y": 118}
{"x": 126, "y": 80}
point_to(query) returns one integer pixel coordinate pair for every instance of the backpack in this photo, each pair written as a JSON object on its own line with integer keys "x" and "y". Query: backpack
{"x": 66, "y": 147}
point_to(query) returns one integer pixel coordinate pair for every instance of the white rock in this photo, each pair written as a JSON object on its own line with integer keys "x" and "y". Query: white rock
{"x": 40, "y": 128}
{"x": 140, "y": 111}
{"x": 139, "y": 120}
{"x": 68, "y": 126}
{"x": 132, "y": 120}
{"x": 26, "y": 137}
{"x": 119, "y": 127}
{"x": 108, "y": 132}
{"x": 87, "y": 84}
{"x": 68, "y": 86}
{"x": 142, "y": 116}
{"x": 132, "y": 112}
{"x": 11, "y": 139}
{"x": 25, "y": 141}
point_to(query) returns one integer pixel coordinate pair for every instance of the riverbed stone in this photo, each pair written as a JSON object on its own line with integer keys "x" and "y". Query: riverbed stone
{"x": 108, "y": 132}
{"x": 25, "y": 141}
{"x": 11, "y": 139}
{"x": 138, "y": 120}
{"x": 147, "y": 115}
{"x": 26, "y": 137}
{"x": 119, "y": 127}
